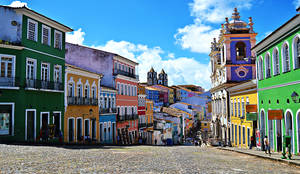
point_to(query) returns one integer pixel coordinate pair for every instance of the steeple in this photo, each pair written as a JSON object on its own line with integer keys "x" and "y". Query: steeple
{"x": 162, "y": 71}
{"x": 236, "y": 15}
{"x": 151, "y": 70}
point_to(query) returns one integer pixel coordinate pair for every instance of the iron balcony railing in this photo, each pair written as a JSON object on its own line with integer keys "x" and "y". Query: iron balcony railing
{"x": 120, "y": 117}
{"x": 128, "y": 74}
{"x": 127, "y": 117}
{"x": 82, "y": 101}
{"x": 141, "y": 125}
{"x": 108, "y": 110}
{"x": 9, "y": 82}
{"x": 42, "y": 84}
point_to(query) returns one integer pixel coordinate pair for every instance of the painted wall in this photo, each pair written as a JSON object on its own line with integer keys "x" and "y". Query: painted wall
{"x": 8, "y": 31}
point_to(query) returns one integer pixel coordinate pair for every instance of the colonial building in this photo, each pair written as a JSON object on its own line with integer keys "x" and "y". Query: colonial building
{"x": 231, "y": 64}
{"x": 278, "y": 72}
{"x": 127, "y": 99}
{"x": 142, "y": 112}
{"x": 107, "y": 117}
{"x": 243, "y": 113}
{"x": 153, "y": 80}
{"x": 32, "y": 58}
{"x": 81, "y": 105}
{"x": 149, "y": 122}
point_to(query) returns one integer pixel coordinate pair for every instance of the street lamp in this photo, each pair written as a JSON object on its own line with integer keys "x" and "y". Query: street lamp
{"x": 295, "y": 97}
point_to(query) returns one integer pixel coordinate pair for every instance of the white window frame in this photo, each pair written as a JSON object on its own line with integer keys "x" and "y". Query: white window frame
{"x": 89, "y": 127}
{"x": 274, "y": 63}
{"x": 26, "y": 123}
{"x": 74, "y": 122}
{"x": 34, "y": 66}
{"x": 294, "y": 50}
{"x": 49, "y": 35}
{"x": 35, "y": 32}
{"x": 60, "y": 46}
{"x": 267, "y": 65}
{"x": 53, "y": 121}
{"x": 284, "y": 56}
{"x": 13, "y": 63}
{"x": 60, "y": 73}
{"x": 48, "y": 69}
{"x": 41, "y": 118}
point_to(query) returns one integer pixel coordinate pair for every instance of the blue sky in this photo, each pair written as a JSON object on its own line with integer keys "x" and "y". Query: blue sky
{"x": 170, "y": 34}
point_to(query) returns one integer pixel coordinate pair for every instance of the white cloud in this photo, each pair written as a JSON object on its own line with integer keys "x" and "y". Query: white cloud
{"x": 297, "y": 3}
{"x": 181, "y": 70}
{"x": 76, "y": 37}
{"x": 198, "y": 36}
{"x": 171, "y": 55}
{"x": 18, "y": 4}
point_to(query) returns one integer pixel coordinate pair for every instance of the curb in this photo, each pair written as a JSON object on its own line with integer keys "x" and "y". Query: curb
{"x": 290, "y": 162}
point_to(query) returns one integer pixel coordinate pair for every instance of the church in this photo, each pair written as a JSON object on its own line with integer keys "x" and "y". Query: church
{"x": 153, "y": 79}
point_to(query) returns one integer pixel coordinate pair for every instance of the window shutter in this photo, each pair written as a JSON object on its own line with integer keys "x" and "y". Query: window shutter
{"x": 31, "y": 31}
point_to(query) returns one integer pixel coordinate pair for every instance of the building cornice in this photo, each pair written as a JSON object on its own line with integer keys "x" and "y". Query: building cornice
{"x": 11, "y": 47}
{"x": 125, "y": 60}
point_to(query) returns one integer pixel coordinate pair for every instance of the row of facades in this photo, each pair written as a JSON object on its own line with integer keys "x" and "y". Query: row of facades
{"x": 255, "y": 87}
{"x": 51, "y": 90}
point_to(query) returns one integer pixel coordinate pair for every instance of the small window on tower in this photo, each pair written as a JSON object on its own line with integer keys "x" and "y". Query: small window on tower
{"x": 240, "y": 50}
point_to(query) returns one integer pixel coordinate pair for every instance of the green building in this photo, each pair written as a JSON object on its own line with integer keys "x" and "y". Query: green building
{"x": 278, "y": 73}
{"x": 32, "y": 59}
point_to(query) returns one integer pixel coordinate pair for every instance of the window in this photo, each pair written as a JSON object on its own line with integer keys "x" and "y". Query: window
{"x": 239, "y": 108}
{"x": 243, "y": 108}
{"x": 86, "y": 127}
{"x": 46, "y": 37}
{"x": 79, "y": 129}
{"x": 45, "y": 72}
{"x": 119, "y": 89}
{"x": 7, "y": 68}
{"x": 87, "y": 91}
{"x": 57, "y": 39}
{"x": 247, "y": 100}
{"x": 286, "y": 57}
{"x": 244, "y": 137}
{"x": 235, "y": 109}
{"x": 79, "y": 90}
{"x": 57, "y": 73}
{"x": 231, "y": 109}
{"x": 122, "y": 89}
{"x": 268, "y": 66}
{"x": 275, "y": 62}
{"x": 125, "y": 86}
{"x": 296, "y": 51}
{"x": 94, "y": 92}
{"x": 32, "y": 30}
{"x": 134, "y": 91}
{"x": 105, "y": 102}
{"x": 6, "y": 120}
{"x": 260, "y": 69}
{"x": 240, "y": 50}
{"x": 71, "y": 89}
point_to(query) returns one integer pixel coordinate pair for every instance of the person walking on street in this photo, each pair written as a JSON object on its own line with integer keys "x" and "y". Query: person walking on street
{"x": 267, "y": 145}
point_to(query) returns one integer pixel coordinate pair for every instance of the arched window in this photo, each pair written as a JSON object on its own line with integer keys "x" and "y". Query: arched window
{"x": 223, "y": 54}
{"x": 285, "y": 57}
{"x": 71, "y": 89}
{"x": 94, "y": 92}
{"x": 268, "y": 65}
{"x": 87, "y": 91}
{"x": 296, "y": 52}
{"x": 79, "y": 90}
{"x": 276, "y": 69}
{"x": 240, "y": 48}
{"x": 260, "y": 69}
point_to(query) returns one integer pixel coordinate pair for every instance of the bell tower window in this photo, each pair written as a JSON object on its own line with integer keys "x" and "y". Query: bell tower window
{"x": 240, "y": 50}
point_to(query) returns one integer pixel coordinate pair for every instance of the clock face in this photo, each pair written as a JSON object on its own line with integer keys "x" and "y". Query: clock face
{"x": 241, "y": 72}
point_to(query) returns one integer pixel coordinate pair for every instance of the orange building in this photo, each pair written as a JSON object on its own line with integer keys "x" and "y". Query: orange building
{"x": 149, "y": 121}
{"x": 126, "y": 99}
{"x": 81, "y": 105}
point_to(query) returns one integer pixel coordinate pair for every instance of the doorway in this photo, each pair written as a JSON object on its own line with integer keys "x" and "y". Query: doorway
{"x": 71, "y": 129}
{"x": 56, "y": 122}
{"x": 289, "y": 128}
{"x": 298, "y": 130}
{"x": 270, "y": 126}
{"x": 30, "y": 125}
{"x": 279, "y": 135}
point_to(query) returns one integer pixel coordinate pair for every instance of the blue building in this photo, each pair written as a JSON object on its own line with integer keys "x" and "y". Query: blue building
{"x": 107, "y": 115}
{"x": 155, "y": 95}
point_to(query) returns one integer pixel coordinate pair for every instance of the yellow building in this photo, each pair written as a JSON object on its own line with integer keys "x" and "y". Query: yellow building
{"x": 243, "y": 104}
{"x": 149, "y": 121}
{"x": 81, "y": 105}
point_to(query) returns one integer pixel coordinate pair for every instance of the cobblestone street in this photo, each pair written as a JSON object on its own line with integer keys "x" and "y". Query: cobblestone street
{"x": 134, "y": 159}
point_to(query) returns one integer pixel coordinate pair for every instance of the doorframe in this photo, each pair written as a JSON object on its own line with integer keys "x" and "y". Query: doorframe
{"x": 12, "y": 115}
{"x": 285, "y": 118}
{"x": 41, "y": 118}
{"x": 34, "y": 134}
{"x": 55, "y": 112}
{"x": 74, "y": 133}
{"x": 297, "y": 132}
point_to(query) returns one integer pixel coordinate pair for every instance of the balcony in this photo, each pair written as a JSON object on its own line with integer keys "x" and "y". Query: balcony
{"x": 142, "y": 125}
{"x": 9, "y": 82}
{"x": 149, "y": 124}
{"x": 82, "y": 101}
{"x": 107, "y": 110}
{"x": 120, "y": 117}
{"x": 41, "y": 84}
{"x": 124, "y": 73}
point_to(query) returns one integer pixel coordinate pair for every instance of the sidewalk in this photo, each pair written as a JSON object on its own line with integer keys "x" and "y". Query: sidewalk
{"x": 274, "y": 156}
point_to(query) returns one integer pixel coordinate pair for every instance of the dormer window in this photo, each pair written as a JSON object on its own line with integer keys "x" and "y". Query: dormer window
{"x": 240, "y": 50}
{"x": 32, "y": 30}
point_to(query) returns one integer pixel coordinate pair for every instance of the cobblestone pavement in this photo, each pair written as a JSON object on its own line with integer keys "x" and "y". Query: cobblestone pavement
{"x": 133, "y": 159}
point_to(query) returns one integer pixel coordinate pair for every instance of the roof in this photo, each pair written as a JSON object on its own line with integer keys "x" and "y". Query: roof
{"x": 33, "y": 14}
{"x": 152, "y": 88}
{"x": 108, "y": 88}
{"x": 275, "y": 32}
{"x": 151, "y": 70}
{"x": 81, "y": 69}
{"x": 162, "y": 71}
{"x": 298, "y": 9}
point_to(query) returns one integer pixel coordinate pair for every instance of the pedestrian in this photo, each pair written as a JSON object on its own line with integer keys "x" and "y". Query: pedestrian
{"x": 267, "y": 145}
{"x": 155, "y": 141}
{"x": 251, "y": 142}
